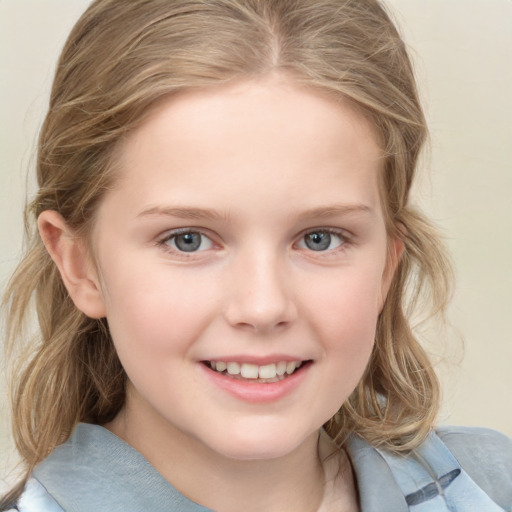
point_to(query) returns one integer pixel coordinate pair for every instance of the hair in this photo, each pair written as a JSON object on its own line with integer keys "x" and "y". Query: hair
{"x": 119, "y": 60}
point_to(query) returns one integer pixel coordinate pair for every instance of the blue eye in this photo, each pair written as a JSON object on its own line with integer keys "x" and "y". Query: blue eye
{"x": 321, "y": 240}
{"x": 189, "y": 241}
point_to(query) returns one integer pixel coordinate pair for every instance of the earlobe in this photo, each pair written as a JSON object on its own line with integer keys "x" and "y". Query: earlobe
{"x": 71, "y": 257}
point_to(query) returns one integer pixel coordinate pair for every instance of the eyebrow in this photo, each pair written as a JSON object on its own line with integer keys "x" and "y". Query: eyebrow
{"x": 184, "y": 213}
{"x": 337, "y": 209}
{"x": 208, "y": 214}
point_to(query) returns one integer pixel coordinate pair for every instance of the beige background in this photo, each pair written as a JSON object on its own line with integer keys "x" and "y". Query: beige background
{"x": 463, "y": 54}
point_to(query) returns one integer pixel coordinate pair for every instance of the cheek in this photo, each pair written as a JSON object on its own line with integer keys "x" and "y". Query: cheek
{"x": 156, "y": 308}
{"x": 345, "y": 317}
{"x": 348, "y": 301}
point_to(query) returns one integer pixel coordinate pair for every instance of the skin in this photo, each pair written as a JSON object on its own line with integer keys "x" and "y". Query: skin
{"x": 253, "y": 167}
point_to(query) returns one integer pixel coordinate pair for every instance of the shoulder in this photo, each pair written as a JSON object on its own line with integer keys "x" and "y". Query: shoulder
{"x": 455, "y": 468}
{"x": 485, "y": 455}
{"x": 95, "y": 470}
{"x": 35, "y": 498}
{"x": 479, "y": 449}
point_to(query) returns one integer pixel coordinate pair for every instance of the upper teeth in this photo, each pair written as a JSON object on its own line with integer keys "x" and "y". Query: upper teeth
{"x": 254, "y": 371}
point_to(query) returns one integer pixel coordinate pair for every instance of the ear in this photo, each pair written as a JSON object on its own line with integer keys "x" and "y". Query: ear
{"x": 70, "y": 254}
{"x": 395, "y": 251}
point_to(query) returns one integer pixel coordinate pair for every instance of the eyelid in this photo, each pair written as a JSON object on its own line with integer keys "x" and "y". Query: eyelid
{"x": 346, "y": 237}
{"x": 343, "y": 234}
{"x": 162, "y": 240}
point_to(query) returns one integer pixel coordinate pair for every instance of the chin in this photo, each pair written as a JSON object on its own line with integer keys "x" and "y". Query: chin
{"x": 261, "y": 442}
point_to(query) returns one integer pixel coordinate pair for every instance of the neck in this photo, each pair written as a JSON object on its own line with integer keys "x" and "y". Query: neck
{"x": 291, "y": 482}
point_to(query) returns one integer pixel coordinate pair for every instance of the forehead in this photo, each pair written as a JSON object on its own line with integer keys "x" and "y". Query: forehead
{"x": 241, "y": 137}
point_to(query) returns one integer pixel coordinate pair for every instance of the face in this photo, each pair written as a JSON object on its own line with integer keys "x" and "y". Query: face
{"x": 242, "y": 258}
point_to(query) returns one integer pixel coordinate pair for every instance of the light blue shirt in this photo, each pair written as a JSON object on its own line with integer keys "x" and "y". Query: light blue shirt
{"x": 454, "y": 470}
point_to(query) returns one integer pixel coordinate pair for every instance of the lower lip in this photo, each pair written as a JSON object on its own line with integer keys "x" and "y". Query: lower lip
{"x": 257, "y": 392}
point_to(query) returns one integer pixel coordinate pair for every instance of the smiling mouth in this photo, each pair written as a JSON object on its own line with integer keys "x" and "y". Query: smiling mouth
{"x": 268, "y": 373}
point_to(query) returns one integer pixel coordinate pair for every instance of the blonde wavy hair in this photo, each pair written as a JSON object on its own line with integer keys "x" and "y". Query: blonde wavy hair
{"x": 119, "y": 60}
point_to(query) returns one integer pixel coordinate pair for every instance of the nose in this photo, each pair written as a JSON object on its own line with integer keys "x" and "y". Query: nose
{"x": 260, "y": 296}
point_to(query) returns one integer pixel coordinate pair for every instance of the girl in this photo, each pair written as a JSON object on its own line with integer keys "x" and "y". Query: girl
{"x": 224, "y": 260}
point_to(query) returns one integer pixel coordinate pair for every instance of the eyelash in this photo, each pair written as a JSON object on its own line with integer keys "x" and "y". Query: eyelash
{"x": 345, "y": 238}
{"x": 164, "y": 241}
